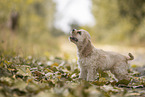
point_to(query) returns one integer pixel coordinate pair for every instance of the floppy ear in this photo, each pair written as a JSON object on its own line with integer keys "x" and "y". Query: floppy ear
{"x": 87, "y": 48}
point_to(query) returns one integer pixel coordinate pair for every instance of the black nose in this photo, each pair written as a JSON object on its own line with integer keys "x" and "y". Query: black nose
{"x": 73, "y": 29}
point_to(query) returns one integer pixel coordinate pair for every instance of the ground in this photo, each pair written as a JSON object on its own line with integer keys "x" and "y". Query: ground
{"x": 55, "y": 76}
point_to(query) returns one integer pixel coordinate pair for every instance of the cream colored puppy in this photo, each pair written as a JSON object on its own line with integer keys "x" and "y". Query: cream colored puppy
{"x": 92, "y": 59}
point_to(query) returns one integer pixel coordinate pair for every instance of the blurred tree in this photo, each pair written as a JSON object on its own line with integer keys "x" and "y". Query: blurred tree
{"x": 36, "y": 15}
{"x": 50, "y": 16}
{"x": 135, "y": 9}
{"x": 119, "y": 20}
{"x": 35, "y": 19}
{"x": 14, "y": 20}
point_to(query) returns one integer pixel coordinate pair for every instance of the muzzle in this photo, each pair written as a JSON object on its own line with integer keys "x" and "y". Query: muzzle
{"x": 74, "y": 39}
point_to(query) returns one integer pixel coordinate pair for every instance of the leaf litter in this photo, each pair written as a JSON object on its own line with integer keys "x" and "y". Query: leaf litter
{"x": 55, "y": 77}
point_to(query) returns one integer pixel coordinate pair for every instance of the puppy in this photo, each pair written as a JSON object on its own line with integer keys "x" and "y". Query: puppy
{"x": 92, "y": 59}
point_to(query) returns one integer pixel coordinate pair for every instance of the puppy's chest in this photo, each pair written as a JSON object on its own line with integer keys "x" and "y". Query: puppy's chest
{"x": 86, "y": 61}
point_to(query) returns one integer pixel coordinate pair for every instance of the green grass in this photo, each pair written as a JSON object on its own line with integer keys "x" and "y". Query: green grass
{"x": 17, "y": 43}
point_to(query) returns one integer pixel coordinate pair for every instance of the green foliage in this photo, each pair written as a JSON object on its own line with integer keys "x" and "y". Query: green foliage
{"x": 32, "y": 14}
{"x": 35, "y": 45}
{"x": 45, "y": 77}
{"x": 35, "y": 29}
{"x": 119, "y": 21}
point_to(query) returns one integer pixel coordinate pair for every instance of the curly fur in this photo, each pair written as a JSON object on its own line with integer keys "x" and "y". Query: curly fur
{"x": 92, "y": 59}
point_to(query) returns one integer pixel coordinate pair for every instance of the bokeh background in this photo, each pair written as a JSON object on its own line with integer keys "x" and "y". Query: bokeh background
{"x": 41, "y": 27}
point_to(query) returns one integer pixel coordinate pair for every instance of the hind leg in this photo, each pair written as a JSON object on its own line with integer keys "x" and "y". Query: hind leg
{"x": 120, "y": 71}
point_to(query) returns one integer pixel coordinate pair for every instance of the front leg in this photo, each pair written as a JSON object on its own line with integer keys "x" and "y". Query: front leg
{"x": 91, "y": 74}
{"x": 83, "y": 73}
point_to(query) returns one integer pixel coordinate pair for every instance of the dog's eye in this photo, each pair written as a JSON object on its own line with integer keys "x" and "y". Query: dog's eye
{"x": 79, "y": 32}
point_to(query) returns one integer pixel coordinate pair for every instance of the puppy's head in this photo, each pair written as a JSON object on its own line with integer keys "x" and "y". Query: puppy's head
{"x": 79, "y": 36}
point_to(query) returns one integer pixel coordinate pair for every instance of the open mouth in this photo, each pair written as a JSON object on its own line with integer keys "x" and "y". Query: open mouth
{"x": 74, "y": 39}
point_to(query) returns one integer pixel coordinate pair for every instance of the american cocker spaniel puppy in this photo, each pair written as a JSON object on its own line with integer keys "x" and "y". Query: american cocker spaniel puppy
{"x": 92, "y": 59}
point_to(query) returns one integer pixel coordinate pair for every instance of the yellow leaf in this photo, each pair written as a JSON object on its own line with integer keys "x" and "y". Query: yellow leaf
{"x": 48, "y": 70}
{"x": 134, "y": 66}
{"x": 1, "y": 64}
{"x": 29, "y": 80}
{"x": 11, "y": 69}
{"x": 28, "y": 71}
{"x": 102, "y": 79}
{"x": 7, "y": 62}
{"x": 58, "y": 76}
{"x": 55, "y": 64}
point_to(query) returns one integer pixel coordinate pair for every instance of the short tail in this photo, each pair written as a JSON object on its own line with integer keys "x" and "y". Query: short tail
{"x": 131, "y": 57}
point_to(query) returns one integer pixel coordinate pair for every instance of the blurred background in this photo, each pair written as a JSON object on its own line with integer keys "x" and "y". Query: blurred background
{"x": 41, "y": 27}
